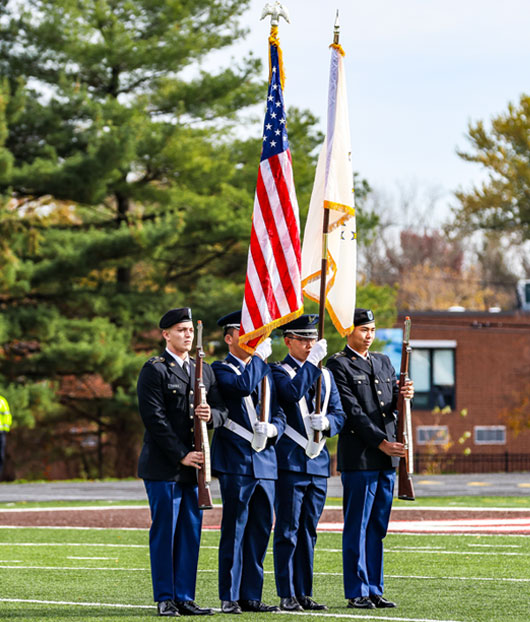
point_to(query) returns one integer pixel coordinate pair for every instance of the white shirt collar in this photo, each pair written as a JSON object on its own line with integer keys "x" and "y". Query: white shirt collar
{"x": 300, "y": 363}
{"x": 365, "y": 357}
{"x": 242, "y": 363}
{"x": 177, "y": 358}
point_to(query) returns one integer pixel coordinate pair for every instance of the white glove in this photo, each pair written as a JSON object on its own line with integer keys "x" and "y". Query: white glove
{"x": 318, "y": 352}
{"x": 263, "y": 428}
{"x": 313, "y": 449}
{"x": 319, "y": 422}
{"x": 259, "y": 439}
{"x": 264, "y": 350}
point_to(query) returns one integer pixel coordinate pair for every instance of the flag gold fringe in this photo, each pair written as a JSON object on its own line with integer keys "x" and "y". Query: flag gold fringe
{"x": 339, "y": 48}
{"x": 267, "y": 329}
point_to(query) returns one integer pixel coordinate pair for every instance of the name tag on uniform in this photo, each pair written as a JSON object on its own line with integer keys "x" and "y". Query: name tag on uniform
{"x": 360, "y": 377}
{"x": 174, "y": 386}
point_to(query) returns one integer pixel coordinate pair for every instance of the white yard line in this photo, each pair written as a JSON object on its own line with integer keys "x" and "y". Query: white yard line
{"x": 346, "y": 616}
{"x": 324, "y": 574}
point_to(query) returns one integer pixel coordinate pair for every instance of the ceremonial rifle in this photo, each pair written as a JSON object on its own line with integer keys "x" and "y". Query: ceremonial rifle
{"x": 404, "y": 430}
{"x": 200, "y": 431}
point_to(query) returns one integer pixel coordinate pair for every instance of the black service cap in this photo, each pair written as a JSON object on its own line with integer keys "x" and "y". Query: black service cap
{"x": 230, "y": 320}
{"x": 175, "y": 316}
{"x": 303, "y": 326}
{"x": 363, "y": 316}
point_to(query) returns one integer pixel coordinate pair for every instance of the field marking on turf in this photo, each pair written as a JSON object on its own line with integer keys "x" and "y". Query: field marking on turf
{"x": 121, "y": 546}
{"x": 347, "y": 616}
{"x": 99, "y": 558}
{"x": 321, "y": 574}
{"x": 95, "y": 508}
{"x": 434, "y": 550}
{"x": 397, "y": 549}
{"x": 332, "y": 528}
{"x": 507, "y": 579}
{"x": 505, "y": 546}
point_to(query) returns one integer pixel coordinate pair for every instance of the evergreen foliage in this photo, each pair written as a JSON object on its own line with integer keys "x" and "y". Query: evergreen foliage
{"x": 124, "y": 191}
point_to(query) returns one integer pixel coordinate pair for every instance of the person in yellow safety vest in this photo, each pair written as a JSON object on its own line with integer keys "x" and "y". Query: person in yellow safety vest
{"x": 5, "y": 425}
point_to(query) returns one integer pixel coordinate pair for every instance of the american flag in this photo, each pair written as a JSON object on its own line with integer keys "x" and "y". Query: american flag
{"x": 273, "y": 293}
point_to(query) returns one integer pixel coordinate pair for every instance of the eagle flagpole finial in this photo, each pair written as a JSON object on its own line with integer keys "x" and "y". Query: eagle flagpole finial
{"x": 275, "y": 10}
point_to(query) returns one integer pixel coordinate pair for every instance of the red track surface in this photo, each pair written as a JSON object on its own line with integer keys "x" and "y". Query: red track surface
{"x": 414, "y": 520}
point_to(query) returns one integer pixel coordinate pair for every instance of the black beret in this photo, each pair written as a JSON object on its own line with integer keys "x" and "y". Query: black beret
{"x": 230, "y": 320}
{"x": 303, "y": 326}
{"x": 175, "y": 316}
{"x": 363, "y": 316}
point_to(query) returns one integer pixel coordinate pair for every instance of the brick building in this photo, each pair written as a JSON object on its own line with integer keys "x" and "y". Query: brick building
{"x": 468, "y": 367}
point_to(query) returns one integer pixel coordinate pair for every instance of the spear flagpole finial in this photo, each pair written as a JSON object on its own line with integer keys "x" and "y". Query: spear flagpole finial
{"x": 336, "y": 29}
{"x": 275, "y": 10}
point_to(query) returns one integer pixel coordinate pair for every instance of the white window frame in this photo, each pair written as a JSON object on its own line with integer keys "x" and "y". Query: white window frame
{"x": 436, "y": 429}
{"x": 488, "y": 427}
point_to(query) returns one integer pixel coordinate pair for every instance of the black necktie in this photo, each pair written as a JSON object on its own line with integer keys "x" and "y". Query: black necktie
{"x": 186, "y": 368}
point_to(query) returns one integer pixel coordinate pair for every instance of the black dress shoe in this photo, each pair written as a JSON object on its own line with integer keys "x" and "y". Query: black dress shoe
{"x": 230, "y": 606}
{"x": 308, "y": 603}
{"x": 257, "y": 606}
{"x": 290, "y": 604}
{"x": 361, "y": 602}
{"x": 190, "y": 608}
{"x": 167, "y": 608}
{"x": 381, "y": 603}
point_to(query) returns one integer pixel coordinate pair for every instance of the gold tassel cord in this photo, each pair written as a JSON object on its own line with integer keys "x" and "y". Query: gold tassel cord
{"x": 275, "y": 40}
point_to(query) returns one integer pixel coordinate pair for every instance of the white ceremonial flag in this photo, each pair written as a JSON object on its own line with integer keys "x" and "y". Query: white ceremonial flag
{"x": 333, "y": 190}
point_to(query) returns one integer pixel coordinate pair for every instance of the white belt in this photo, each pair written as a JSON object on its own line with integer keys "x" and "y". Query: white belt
{"x": 238, "y": 429}
{"x": 293, "y": 434}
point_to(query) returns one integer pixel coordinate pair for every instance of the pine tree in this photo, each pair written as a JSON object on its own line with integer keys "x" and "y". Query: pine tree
{"x": 117, "y": 173}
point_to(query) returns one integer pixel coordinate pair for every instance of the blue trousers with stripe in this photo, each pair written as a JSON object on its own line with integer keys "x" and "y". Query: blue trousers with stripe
{"x": 367, "y": 503}
{"x": 245, "y": 531}
{"x": 174, "y": 539}
{"x": 300, "y": 499}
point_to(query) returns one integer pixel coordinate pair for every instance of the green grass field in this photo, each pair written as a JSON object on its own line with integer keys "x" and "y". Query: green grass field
{"x": 63, "y": 575}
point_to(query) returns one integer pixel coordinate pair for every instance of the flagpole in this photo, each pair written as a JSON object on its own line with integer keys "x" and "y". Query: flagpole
{"x": 323, "y": 271}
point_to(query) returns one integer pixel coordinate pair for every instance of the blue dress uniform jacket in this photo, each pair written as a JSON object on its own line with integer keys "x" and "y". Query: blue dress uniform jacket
{"x": 302, "y": 481}
{"x": 165, "y": 399}
{"x": 291, "y": 456}
{"x": 369, "y": 391}
{"x": 230, "y": 452}
{"x": 247, "y": 480}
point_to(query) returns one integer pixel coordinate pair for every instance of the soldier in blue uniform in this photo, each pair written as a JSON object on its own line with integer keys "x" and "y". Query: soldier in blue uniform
{"x": 168, "y": 463}
{"x": 367, "y": 458}
{"x": 303, "y": 464}
{"x": 244, "y": 460}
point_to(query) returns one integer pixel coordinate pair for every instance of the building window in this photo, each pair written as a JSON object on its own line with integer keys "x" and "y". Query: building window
{"x": 432, "y": 434}
{"x": 490, "y": 434}
{"x": 432, "y": 368}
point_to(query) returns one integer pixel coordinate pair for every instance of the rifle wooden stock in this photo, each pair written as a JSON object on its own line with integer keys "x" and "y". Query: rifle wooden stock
{"x": 404, "y": 429}
{"x": 200, "y": 431}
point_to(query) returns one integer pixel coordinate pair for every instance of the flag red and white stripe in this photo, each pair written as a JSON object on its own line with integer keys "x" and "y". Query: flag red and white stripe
{"x": 273, "y": 292}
